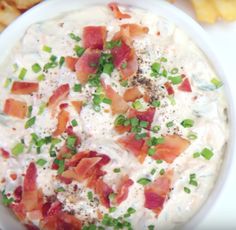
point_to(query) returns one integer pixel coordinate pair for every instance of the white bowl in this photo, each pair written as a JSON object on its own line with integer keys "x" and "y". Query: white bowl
{"x": 50, "y": 9}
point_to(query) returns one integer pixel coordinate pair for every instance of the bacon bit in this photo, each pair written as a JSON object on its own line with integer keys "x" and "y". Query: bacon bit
{"x": 118, "y": 105}
{"x": 185, "y": 86}
{"x": 156, "y": 193}
{"x": 71, "y": 62}
{"x": 87, "y": 65}
{"x": 135, "y": 29}
{"x": 64, "y": 180}
{"x": 147, "y": 115}
{"x": 15, "y": 108}
{"x": 172, "y": 147}
{"x": 169, "y": 88}
{"x": 5, "y": 154}
{"x": 158, "y": 33}
{"x": 18, "y": 193}
{"x": 146, "y": 97}
{"x": 116, "y": 11}
{"x": 59, "y": 95}
{"x": 94, "y": 37}
{"x": 132, "y": 94}
{"x": 13, "y": 176}
{"x": 19, "y": 210}
{"x": 54, "y": 209}
{"x": 120, "y": 129}
{"x": 63, "y": 105}
{"x": 63, "y": 118}
{"x": 120, "y": 53}
{"x": 103, "y": 191}
{"x": 77, "y": 105}
{"x": 24, "y": 88}
{"x": 123, "y": 189}
{"x": 136, "y": 147}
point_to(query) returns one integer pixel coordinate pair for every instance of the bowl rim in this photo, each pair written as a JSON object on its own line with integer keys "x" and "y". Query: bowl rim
{"x": 43, "y": 11}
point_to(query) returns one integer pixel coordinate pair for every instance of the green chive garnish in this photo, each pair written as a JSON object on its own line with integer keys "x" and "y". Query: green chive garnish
{"x": 18, "y": 149}
{"x": 187, "y": 190}
{"x": 196, "y": 155}
{"x": 74, "y": 123}
{"x": 36, "y": 68}
{"x": 113, "y": 44}
{"x": 107, "y": 101}
{"x": 156, "y": 103}
{"x": 207, "y": 153}
{"x": 74, "y": 37}
{"x": 137, "y": 105}
{"x": 7, "y": 82}
{"x": 108, "y": 68}
{"x": 162, "y": 172}
{"x": 41, "y": 162}
{"x": 42, "y": 108}
{"x": 41, "y": 77}
{"x": 169, "y": 124}
{"x": 217, "y": 83}
{"x": 79, "y": 50}
{"x": 175, "y": 80}
{"x": 112, "y": 209}
{"x": 77, "y": 88}
{"x": 174, "y": 71}
{"x": 47, "y": 49}
{"x": 22, "y": 74}
{"x": 187, "y": 123}
{"x": 30, "y": 122}
{"x": 151, "y": 151}
{"x": 70, "y": 142}
{"x": 144, "y": 181}
{"x": 90, "y": 196}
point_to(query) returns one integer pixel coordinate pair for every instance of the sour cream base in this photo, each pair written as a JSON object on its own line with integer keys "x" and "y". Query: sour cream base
{"x": 205, "y": 105}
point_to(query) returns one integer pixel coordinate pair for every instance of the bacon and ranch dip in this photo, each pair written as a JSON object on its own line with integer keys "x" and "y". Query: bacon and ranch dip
{"x": 110, "y": 119}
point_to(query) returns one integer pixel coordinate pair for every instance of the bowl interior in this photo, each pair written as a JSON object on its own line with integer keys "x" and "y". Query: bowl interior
{"x": 50, "y": 9}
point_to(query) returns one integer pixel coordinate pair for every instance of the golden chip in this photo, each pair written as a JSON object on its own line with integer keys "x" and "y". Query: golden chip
{"x": 23, "y": 4}
{"x": 226, "y": 9}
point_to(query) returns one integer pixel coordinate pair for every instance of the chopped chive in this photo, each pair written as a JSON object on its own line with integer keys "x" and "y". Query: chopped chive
{"x": 153, "y": 171}
{"x": 164, "y": 73}
{"x": 174, "y": 71}
{"x": 15, "y": 67}
{"x": 156, "y": 103}
{"x": 163, "y": 59}
{"x": 77, "y": 88}
{"x": 41, "y": 162}
{"x": 53, "y": 58}
{"x": 42, "y": 108}
{"x": 120, "y": 120}
{"x": 22, "y": 74}
{"x": 162, "y": 172}
{"x": 207, "y": 153}
{"x": 74, "y": 123}
{"x": 90, "y": 196}
{"x": 137, "y": 105}
{"x": 156, "y": 67}
{"x": 74, "y": 37}
{"x": 61, "y": 61}
{"x": 97, "y": 108}
{"x": 50, "y": 65}
{"x": 5, "y": 200}
{"x": 47, "y": 49}
{"x": 144, "y": 181}
{"x": 187, "y": 190}
{"x": 192, "y": 180}
{"x": 30, "y": 122}
{"x": 60, "y": 189}
{"x": 172, "y": 100}
{"x": 30, "y": 109}
{"x": 140, "y": 136}
{"x": 41, "y": 77}
{"x": 134, "y": 121}
{"x": 61, "y": 165}
{"x": 192, "y": 136}
{"x": 107, "y": 101}
{"x": 175, "y": 80}
{"x": 112, "y": 196}
{"x": 159, "y": 161}
{"x": 7, "y": 82}
{"x": 116, "y": 170}
{"x": 217, "y": 83}
{"x": 36, "y": 68}
{"x": 151, "y": 151}
{"x": 108, "y": 68}
{"x": 71, "y": 141}
{"x": 18, "y": 149}
{"x": 112, "y": 209}
{"x": 124, "y": 83}
{"x": 124, "y": 65}
{"x": 153, "y": 141}
{"x": 151, "y": 227}
{"x": 156, "y": 128}
{"x": 196, "y": 155}
{"x": 113, "y": 44}
{"x": 187, "y": 123}
{"x": 131, "y": 210}
{"x": 143, "y": 124}
{"x": 169, "y": 124}
{"x": 79, "y": 50}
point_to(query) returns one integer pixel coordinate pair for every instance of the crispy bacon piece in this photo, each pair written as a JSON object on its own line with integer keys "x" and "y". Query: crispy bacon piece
{"x": 122, "y": 129}
{"x": 123, "y": 189}
{"x": 63, "y": 118}
{"x": 131, "y": 66}
{"x": 103, "y": 191}
{"x": 59, "y": 95}
{"x": 30, "y": 194}
{"x": 18, "y": 194}
{"x": 137, "y": 147}
{"x": 135, "y": 29}
{"x": 71, "y": 62}
{"x": 169, "y": 88}
{"x": 15, "y": 108}
{"x": 132, "y": 94}
{"x": 116, "y": 11}
{"x": 77, "y": 105}
{"x": 120, "y": 53}
{"x": 5, "y": 154}
{"x": 118, "y": 105}
{"x": 156, "y": 193}
{"x": 147, "y": 115}
{"x": 172, "y": 147}
{"x": 87, "y": 64}
{"x": 94, "y": 37}
{"x": 185, "y": 86}
{"x": 24, "y": 88}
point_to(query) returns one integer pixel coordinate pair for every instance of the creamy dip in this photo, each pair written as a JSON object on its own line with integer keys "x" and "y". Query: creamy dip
{"x": 197, "y": 115}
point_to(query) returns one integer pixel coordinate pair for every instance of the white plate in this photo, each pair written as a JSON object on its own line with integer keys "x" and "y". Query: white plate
{"x": 50, "y": 9}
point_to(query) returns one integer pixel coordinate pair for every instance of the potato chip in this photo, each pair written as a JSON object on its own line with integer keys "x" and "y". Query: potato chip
{"x": 226, "y": 9}
{"x": 24, "y": 4}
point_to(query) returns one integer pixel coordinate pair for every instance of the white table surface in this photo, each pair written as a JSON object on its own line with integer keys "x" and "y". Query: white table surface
{"x": 223, "y": 36}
